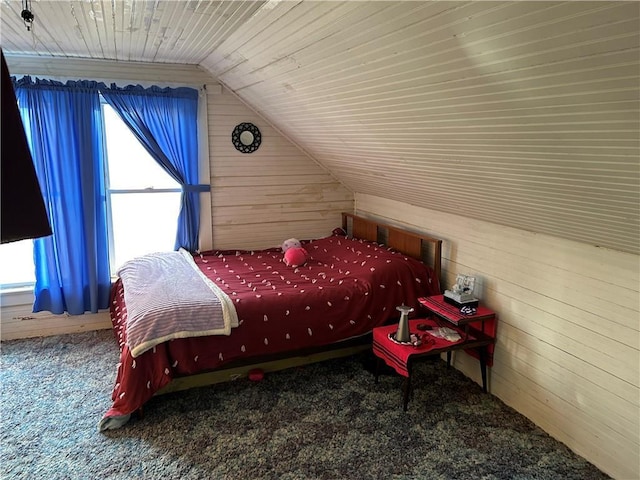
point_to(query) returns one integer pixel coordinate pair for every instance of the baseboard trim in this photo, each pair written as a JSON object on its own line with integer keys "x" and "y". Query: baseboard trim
{"x": 19, "y": 324}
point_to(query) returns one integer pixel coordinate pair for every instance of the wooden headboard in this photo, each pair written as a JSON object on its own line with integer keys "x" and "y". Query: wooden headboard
{"x": 422, "y": 247}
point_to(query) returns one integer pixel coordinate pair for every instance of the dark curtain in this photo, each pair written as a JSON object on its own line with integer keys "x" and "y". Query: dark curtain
{"x": 23, "y": 214}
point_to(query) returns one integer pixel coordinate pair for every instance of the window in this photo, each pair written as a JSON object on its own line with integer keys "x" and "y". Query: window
{"x": 144, "y": 201}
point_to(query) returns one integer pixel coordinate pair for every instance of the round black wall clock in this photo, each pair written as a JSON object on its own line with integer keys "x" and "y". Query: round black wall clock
{"x": 246, "y": 137}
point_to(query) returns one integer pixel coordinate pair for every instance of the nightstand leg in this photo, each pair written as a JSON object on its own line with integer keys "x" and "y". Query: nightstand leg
{"x": 378, "y": 360}
{"x": 483, "y": 367}
{"x": 406, "y": 389}
{"x": 448, "y": 358}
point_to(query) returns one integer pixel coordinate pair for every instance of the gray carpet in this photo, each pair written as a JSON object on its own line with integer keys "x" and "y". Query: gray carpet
{"x": 325, "y": 421}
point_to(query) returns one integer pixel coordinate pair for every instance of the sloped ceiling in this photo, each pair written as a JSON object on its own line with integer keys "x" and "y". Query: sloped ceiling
{"x": 518, "y": 113}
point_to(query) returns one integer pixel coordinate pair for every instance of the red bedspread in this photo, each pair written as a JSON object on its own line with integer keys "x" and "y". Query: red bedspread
{"x": 346, "y": 288}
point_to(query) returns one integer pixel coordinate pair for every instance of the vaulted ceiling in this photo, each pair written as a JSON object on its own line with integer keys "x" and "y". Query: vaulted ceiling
{"x": 518, "y": 113}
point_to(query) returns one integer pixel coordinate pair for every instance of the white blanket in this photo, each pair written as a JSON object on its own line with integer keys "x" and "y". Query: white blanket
{"x": 167, "y": 297}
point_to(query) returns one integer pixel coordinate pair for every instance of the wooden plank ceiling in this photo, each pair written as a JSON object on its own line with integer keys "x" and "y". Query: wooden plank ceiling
{"x": 524, "y": 114}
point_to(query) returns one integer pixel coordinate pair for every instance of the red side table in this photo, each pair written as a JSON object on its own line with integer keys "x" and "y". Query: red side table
{"x": 402, "y": 357}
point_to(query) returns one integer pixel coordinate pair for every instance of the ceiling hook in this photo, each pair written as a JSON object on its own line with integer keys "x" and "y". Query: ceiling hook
{"x": 26, "y": 14}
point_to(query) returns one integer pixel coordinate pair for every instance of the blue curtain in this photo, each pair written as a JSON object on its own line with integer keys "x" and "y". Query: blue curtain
{"x": 165, "y": 122}
{"x": 64, "y": 126}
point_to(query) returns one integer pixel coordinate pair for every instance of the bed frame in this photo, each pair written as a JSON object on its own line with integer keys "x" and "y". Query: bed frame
{"x": 421, "y": 247}
{"x": 424, "y": 248}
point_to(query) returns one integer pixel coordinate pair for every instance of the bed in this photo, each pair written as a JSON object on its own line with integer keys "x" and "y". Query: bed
{"x": 285, "y": 316}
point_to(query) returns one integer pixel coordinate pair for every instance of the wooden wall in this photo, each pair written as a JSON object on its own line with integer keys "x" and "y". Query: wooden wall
{"x": 277, "y": 192}
{"x": 567, "y": 353}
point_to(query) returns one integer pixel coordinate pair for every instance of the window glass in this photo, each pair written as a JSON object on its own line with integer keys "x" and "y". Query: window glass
{"x": 16, "y": 264}
{"x": 142, "y": 219}
{"x": 130, "y": 166}
{"x": 142, "y": 223}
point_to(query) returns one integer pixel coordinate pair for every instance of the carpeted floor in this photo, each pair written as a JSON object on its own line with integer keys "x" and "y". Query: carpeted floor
{"x": 325, "y": 421}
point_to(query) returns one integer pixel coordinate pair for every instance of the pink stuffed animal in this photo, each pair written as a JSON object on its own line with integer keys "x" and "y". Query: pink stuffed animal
{"x": 295, "y": 257}
{"x": 294, "y": 254}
